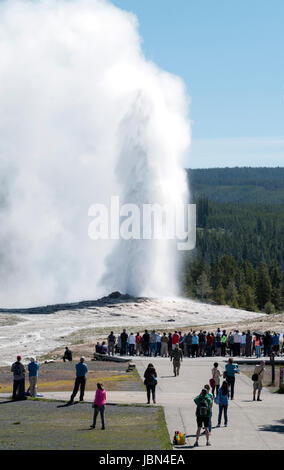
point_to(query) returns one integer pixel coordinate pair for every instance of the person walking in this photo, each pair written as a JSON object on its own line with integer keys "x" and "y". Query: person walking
{"x": 19, "y": 372}
{"x": 222, "y": 399}
{"x": 150, "y": 381}
{"x": 257, "y": 384}
{"x": 33, "y": 376}
{"x": 176, "y": 357}
{"x": 99, "y": 405}
{"x": 80, "y": 381}
{"x": 203, "y": 406}
{"x": 216, "y": 374}
{"x": 164, "y": 345}
{"x": 230, "y": 370}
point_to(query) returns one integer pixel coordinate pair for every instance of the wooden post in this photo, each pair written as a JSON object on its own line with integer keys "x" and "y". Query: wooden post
{"x": 272, "y": 362}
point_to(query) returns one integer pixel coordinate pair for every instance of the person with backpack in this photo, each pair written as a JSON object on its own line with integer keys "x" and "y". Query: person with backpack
{"x": 230, "y": 370}
{"x": 33, "y": 375}
{"x": 176, "y": 357}
{"x": 257, "y": 380}
{"x": 80, "y": 381}
{"x": 19, "y": 372}
{"x": 150, "y": 382}
{"x": 99, "y": 405}
{"x": 222, "y": 399}
{"x": 203, "y": 408}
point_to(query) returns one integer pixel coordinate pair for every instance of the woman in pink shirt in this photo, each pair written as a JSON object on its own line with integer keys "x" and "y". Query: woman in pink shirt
{"x": 99, "y": 405}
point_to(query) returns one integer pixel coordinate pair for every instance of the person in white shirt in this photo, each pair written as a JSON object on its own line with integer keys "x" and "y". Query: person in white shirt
{"x": 158, "y": 337}
{"x": 131, "y": 344}
{"x": 237, "y": 343}
{"x": 243, "y": 344}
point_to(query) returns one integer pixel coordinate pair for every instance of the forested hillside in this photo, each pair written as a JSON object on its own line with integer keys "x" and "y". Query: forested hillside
{"x": 239, "y": 256}
{"x": 255, "y": 185}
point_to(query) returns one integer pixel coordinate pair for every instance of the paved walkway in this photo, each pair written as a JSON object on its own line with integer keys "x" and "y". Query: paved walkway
{"x": 251, "y": 425}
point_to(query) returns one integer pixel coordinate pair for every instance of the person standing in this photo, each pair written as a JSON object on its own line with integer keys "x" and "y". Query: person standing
{"x": 222, "y": 399}
{"x": 176, "y": 357}
{"x": 194, "y": 345}
{"x": 19, "y": 372}
{"x": 124, "y": 338}
{"x": 175, "y": 339}
{"x": 111, "y": 342}
{"x": 80, "y": 381}
{"x": 257, "y": 384}
{"x": 216, "y": 377}
{"x": 138, "y": 341}
{"x": 257, "y": 343}
{"x": 164, "y": 345}
{"x": 150, "y": 381}
{"x": 33, "y": 375}
{"x": 159, "y": 344}
{"x": 231, "y": 369}
{"x": 207, "y": 387}
{"x": 131, "y": 343}
{"x": 170, "y": 343}
{"x": 146, "y": 342}
{"x": 188, "y": 343}
{"x": 231, "y": 343}
{"x": 237, "y": 343}
{"x": 203, "y": 407}
{"x": 248, "y": 344}
{"x": 243, "y": 344}
{"x": 99, "y": 405}
{"x": 223, "y": 343}
{"x": 153, "y": 343}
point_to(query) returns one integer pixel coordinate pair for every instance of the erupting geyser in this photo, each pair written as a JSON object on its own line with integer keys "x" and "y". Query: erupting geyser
{"x": 84, "y": 116}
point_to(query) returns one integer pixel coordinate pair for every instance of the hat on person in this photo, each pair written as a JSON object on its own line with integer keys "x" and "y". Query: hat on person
{"x": 82, "y": 359}
{"x": 19, "y": 358}
{"x": 32, "y": 359}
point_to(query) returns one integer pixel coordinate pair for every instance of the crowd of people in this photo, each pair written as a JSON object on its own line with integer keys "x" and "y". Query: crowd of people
{"x": 211, "y": 393}
{"x": 192, "y": 344}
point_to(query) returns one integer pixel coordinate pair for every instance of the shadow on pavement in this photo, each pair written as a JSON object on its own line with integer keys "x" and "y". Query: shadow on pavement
{"x": 274, "y": 427}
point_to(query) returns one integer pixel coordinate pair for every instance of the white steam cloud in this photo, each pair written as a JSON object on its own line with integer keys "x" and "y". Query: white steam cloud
{"x": 84, "y": 116}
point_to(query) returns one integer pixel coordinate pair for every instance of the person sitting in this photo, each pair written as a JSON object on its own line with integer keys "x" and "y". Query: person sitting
{"x": 67, "y": 354}
{"x": 98, "y": 348}
{"x": 103, "y": 348}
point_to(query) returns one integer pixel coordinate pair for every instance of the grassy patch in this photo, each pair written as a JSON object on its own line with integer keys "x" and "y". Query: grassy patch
{"x": 51, "y": 425}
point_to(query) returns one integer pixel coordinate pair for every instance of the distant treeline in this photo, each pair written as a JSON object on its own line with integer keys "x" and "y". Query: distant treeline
{"x": 255, "y": 185}
{"x": 239, "y": 255}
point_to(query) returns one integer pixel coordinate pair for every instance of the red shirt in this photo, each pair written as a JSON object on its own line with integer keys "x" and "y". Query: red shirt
{"x": 175, "y": 338}
{"x": 138, "y": 339}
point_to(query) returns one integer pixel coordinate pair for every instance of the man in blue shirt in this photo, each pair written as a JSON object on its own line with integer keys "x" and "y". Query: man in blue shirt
{"x": 231, "y": 369}
{"x": 33, "y": 375}
{"x": 80, "y": 381}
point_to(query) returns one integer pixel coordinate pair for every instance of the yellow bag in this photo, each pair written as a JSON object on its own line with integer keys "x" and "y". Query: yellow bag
{"x": 180, "y": 439}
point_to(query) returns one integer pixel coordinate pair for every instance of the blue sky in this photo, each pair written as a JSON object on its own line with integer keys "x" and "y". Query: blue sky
{"x": 231, "y": 56}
